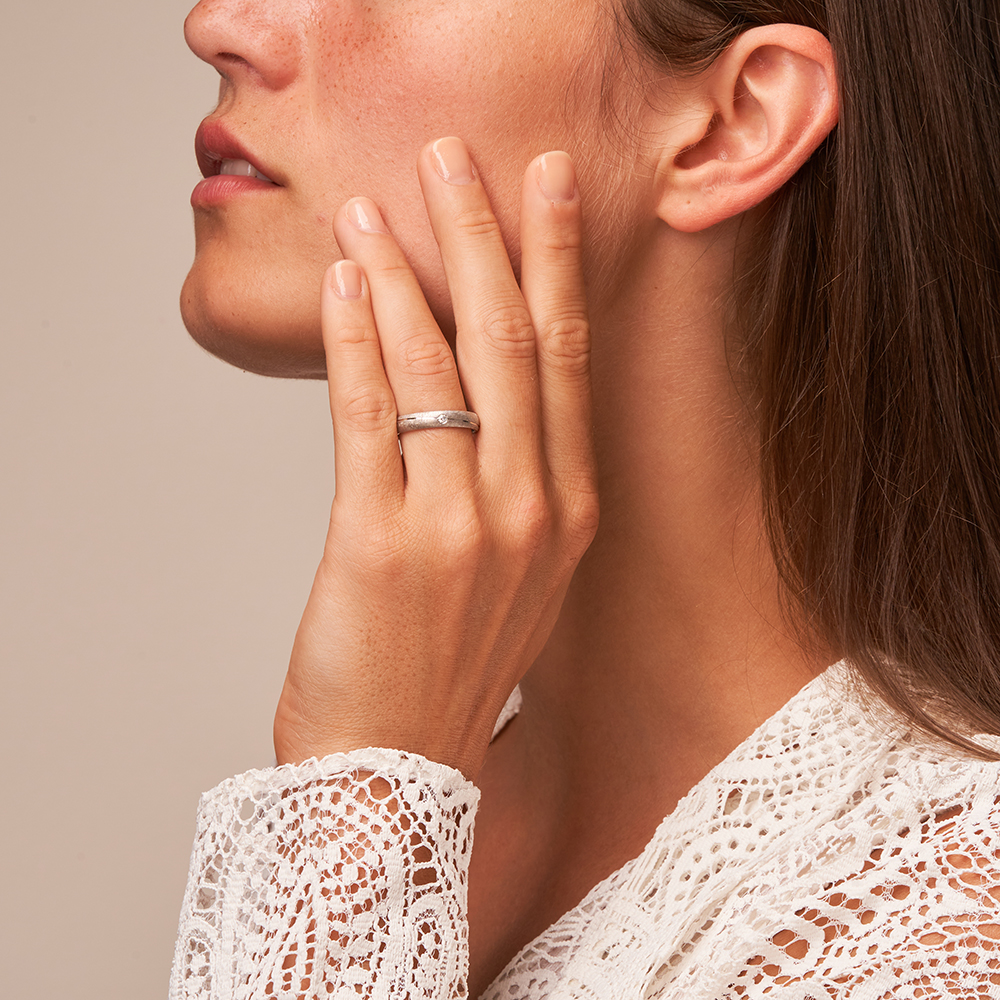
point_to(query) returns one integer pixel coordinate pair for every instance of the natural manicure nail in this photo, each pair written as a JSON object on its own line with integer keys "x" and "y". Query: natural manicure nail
{"x": 348, "y": 279}
{"x": 556, "y": 176}
{"x": 452, "y": 161}
{"x": 364, "y": 213}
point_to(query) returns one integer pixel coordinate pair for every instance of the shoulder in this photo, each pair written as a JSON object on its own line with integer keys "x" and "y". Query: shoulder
{"x": 884, "y": 883}
{"x": 907, "y": 906}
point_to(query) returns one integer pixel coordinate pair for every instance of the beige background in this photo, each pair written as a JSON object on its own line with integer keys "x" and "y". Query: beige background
{"x": 161, "y": 512}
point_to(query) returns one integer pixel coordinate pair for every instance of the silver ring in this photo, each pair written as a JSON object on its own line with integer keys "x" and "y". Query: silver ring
{"x": 465, "y": 420}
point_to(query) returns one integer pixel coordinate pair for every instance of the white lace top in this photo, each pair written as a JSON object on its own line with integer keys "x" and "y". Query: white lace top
{"x": 828, "y": 857}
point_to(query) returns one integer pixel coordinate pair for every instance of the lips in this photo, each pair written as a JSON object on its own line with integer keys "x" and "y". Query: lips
{"x": 231, "y": 171}
{"x": 219, "y": 153}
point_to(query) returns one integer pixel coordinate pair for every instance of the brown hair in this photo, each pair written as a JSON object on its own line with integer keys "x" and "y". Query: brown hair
{"x": 871, "y": 312}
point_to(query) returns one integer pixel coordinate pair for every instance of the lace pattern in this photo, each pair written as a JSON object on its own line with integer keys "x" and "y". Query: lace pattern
{"x": 340, "y": 877}
{"x": 829, "y": 857}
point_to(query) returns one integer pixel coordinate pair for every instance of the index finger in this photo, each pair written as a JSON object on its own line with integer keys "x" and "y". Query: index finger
{"x": 367, "y": 463}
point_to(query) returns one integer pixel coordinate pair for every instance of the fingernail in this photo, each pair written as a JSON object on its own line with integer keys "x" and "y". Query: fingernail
{"x": 364, "y": 213}
{"x": 347, "y": 277}
{"x": 556, "y": 176}
{"x": 452, "y": 161}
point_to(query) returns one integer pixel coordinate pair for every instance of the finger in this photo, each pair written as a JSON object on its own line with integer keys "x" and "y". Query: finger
{"x": 553, "y": 288}
{"x": 368, "y": 467}
{"x": 495, "y": 342}
{"x": 418, "y": 362}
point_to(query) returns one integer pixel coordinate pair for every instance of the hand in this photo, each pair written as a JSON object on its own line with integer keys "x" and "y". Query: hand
{"x": 445, "y": 566}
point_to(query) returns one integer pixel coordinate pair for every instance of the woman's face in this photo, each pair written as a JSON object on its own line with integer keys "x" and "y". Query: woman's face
{"x": 335, "y": 98}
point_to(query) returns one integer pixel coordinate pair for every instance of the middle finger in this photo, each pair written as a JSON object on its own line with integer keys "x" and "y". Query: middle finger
{"x": 495, "y": 341}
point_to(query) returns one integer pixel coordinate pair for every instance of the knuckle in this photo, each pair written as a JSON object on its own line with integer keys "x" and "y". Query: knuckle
{"x": 581, "y": 517}
{"x": 465, "y": 524}
{"x": 461, "y": 534}
{"x": 353, "y": 335}
{"x": 390, "y": 270}
{"x": 368, "y": 409}
{"x": 566, "y": 341}
{"x": 475, "y": 223}
{"x": 562, "y": 241}
{"x": 425, "y": 354}
{"x": 532, "y": 520}
{"x": 508, "y": 329}
{"x": 468, "y": 543}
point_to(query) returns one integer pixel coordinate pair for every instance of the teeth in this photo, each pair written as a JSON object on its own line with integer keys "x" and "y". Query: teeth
{"x": 242, "y": 168}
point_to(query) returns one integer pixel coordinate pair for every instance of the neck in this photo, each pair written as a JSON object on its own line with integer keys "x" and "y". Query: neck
{"x": 673, "y": 644}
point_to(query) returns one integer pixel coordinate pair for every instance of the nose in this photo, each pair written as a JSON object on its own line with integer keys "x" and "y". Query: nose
{"x": 248, "y": 39}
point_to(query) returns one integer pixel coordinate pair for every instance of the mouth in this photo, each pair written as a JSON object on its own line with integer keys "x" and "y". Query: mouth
{"x": 240, "y": 168}
{"x": 219, "y": 153}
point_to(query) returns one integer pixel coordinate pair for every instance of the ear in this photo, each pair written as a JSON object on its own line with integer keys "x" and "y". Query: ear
{"x": 757, "y": 114}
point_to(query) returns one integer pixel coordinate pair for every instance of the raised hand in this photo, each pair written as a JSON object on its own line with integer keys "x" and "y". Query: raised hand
{"x": 449, "y": 553}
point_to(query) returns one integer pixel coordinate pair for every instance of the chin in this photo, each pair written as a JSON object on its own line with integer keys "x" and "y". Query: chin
{"x": 268, "y": 334}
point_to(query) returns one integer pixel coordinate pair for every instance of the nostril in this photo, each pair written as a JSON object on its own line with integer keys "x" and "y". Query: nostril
{"x": 220, "y": 33}
{"x": 230, "y": 65}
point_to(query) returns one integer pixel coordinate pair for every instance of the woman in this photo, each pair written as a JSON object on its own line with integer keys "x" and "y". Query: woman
{"x": 789, "y": 410}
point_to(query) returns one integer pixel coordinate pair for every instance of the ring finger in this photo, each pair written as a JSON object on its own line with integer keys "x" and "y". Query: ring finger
{"x": 418, "y": 362}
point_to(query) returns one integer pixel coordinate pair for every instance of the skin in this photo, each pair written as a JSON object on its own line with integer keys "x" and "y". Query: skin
{"x": 338, "y": 99}
{"x": 462, "y": 568}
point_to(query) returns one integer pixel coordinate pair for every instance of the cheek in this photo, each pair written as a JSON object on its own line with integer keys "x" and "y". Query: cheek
{"x": 510, "y": 90}
{"x": 385, "y": 81}
{"x": 387, "y": 91}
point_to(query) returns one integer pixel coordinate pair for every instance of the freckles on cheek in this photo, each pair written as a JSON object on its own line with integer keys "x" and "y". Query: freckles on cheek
{"x": 409, "y": 77}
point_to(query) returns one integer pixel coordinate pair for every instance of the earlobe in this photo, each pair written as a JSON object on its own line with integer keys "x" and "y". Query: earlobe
{"x": 772, "y": 97}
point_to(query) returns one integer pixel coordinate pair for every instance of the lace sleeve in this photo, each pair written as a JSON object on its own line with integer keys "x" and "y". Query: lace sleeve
{"x": 345, "y": 876}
